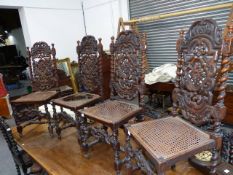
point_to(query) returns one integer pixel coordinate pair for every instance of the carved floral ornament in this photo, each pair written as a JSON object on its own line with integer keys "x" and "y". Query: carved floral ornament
{"x": 89, "y": 73}
{"x": 199, "y": 52}
{"x": 42, "y": 66}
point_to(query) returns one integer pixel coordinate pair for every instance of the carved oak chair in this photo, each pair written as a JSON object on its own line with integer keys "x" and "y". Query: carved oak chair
{"x": 126, "y": 80}
{"x": 44, "y": 81}
{"x": 89, "y": 81}
{"x": 21, "y": 159}
{"x": 168, "y": 140}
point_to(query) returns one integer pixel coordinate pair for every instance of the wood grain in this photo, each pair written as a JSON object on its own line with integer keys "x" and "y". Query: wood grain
{"x": 64, "y": 157}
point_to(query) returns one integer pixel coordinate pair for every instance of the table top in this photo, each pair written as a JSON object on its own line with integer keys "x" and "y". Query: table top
{"x": 64, "y": 157}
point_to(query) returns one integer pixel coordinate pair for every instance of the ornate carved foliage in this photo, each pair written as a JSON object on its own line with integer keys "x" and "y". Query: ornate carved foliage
{"x": 89, "y": 71}
{"x": 126, "y": 68}
{"x": 42, "y": 66}
{"x": 199, "y": 54}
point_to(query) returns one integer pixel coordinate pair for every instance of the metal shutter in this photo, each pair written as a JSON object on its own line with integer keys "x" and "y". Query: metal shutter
{"x": 162, "y": 34}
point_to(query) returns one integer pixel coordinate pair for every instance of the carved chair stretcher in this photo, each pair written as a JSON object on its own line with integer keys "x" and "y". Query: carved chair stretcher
{"x": 43, "y": 74}
{"x": 172, "y": 139}
{"x": 90, "y": 82}
{"x": 127, "y": 77}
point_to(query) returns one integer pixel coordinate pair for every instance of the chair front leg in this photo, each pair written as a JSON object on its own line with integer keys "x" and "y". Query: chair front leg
{"x": 128, "y": 153}
{"x": 116, "y": 147}
{"x": 214, "y": 160}
{"x": 56, "y": 120}
{"x": 50, "y": 124}
{"x": 83, "y": 133}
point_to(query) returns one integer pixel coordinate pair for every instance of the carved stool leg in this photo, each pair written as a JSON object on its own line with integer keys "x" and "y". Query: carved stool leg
{"x": 50, "y": 126}
{"x": 116, "y": 147}
{"x": 83, "y": 133}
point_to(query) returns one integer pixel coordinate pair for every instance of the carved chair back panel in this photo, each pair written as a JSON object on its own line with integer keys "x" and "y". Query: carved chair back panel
{"x": 43, "y": 67}
{"x": 198, "y": 58}
{"x": 89, "y": 73}
{"x": 127, "y": 70}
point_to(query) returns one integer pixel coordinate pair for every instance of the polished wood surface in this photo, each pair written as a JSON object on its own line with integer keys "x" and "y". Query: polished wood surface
{"x": 64, "y": 157}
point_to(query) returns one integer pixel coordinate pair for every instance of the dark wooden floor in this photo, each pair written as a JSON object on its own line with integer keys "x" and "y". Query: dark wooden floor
{"x": 64, "y": 157}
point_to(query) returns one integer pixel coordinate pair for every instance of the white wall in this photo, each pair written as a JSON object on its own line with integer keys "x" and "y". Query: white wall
{"x": 58, "y": 26}
{"x": 54, "y": 21}
{"x": 61, "y": 21}
{"x": 102, "y": 18}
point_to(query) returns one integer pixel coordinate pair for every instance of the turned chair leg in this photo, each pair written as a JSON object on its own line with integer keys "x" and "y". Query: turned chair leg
{"x": 214, "y": 160}
{"x": 50, "y": 126}
{"x": 83, "y": 134}
{"x": 116, "y": 147}
{"x": 56, "y": 120}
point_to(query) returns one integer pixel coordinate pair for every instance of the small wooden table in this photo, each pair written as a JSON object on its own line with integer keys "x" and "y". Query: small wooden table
{"x": 64, "y": 157}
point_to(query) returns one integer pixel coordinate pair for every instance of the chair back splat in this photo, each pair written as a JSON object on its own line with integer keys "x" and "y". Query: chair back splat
{"x": 43, "y": 68}
{"x": 90, "y": 65}
{"x": 127, "y": 70}
{"x": 199, "y": 53}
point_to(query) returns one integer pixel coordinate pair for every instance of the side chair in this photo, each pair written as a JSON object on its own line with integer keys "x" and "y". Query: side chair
{"x": 44, "y": 81}
{"x": 89, "y": 81}
{"x": 163, "y": 142}
{"x": 127, "y": 78}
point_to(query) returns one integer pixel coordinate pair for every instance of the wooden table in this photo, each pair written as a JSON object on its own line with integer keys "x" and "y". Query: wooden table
{"x": 64, "y": 157}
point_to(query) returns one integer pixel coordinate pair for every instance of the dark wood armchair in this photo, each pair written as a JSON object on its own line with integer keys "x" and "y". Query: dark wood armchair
{"x": 169, "y": 140}
{"x": 21, "y": 159}
{"x": 126, "y": 80}
{"x": 44, "y": 80}
{"x": 89, "y": 81}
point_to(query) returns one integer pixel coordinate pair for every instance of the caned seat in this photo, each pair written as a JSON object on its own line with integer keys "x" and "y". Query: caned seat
{"x": 112, "y": 112}
{"x": 38, "y": 96}
{"x": 169, "y": 137}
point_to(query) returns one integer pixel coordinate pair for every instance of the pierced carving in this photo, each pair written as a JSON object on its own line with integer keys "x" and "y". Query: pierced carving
{"x": 89, "y": 62}
{"x": 126, "y": 64}
{"x": 43, "y": 69}
{"x": 198, "y": 55}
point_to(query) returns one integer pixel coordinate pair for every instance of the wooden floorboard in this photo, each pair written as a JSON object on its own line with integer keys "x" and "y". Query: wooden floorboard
{"x": 64, "y": 157}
